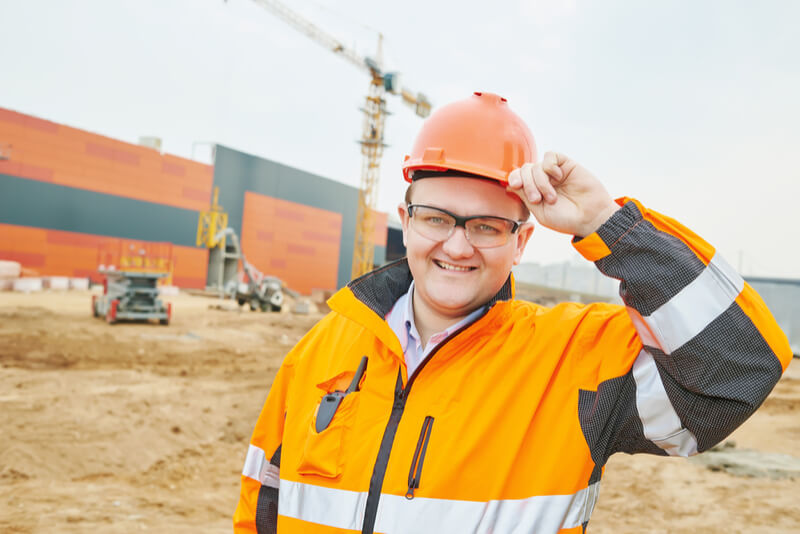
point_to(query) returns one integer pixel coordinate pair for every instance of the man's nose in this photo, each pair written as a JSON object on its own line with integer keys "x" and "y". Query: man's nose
{"x": 457, "y": 245}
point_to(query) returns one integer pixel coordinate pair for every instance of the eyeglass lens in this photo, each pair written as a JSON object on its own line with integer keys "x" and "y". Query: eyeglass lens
{"x": 483, "y": 232}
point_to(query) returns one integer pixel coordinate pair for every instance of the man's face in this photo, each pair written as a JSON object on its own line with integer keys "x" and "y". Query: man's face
{"x": 452, "y": 277}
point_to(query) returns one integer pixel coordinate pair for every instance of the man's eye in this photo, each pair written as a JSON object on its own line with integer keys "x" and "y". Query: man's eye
{"x": 485, "y": 228}
{"x": 435, "y": 219}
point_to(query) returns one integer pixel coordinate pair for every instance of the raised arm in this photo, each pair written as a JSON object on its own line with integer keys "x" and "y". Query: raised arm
{"x": 710, "y": 349}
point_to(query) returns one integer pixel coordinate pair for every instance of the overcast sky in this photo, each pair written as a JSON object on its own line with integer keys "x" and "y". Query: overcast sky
{"x": 692, "y": 107}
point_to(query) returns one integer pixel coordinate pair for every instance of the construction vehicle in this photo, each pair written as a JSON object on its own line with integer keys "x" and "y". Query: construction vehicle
{"x": 131, "y": 296}
{"x": 374, "y": 117}
{"x": 131, "y": 272}
{"x": 259, "y": 291}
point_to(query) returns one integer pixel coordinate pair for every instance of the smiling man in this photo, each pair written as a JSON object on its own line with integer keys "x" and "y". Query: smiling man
{"x": 431, "y": 401}
{"x": 457, "y": 271}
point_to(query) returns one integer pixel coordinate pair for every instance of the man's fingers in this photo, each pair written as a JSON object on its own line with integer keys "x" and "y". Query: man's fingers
{"x": 532, "y": 193}
{"x": 537, "y": 180}
{"x": 551, "y": 164}
{"x": 519, "y": 192}
{"x": 520, "y": 182}
{"x": 543, "y": 185}
{"x": 550, "y": 160}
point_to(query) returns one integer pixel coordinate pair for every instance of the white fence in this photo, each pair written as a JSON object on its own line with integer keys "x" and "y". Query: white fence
{"x": 783, "y": 299}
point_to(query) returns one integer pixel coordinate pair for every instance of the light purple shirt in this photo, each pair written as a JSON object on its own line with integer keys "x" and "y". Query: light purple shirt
{"x": 401, "y": 321}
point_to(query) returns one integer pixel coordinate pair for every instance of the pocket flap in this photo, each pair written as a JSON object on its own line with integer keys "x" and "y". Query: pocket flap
{"x": 338, "y": 382}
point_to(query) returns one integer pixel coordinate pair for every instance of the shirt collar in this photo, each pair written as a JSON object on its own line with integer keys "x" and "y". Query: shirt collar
{"x": 401, "y": 321}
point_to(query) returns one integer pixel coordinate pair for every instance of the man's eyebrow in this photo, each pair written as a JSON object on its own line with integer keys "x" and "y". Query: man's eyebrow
{"x": 422, "y": 204}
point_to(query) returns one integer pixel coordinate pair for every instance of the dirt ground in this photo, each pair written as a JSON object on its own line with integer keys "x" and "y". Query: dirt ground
{"x": 134, "y": 427}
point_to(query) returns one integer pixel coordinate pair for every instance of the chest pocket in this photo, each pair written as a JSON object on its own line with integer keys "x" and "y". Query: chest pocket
{"x": 322, "y": 451}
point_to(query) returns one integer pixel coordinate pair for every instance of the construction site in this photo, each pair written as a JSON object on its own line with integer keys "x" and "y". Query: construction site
{"x": 137, "y": 427}
{"x": 147, "y": 301}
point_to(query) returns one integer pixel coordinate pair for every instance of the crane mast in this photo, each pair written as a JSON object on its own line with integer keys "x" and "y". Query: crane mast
{"x": 371, "y": 150}
{"x": 374, "y": 111}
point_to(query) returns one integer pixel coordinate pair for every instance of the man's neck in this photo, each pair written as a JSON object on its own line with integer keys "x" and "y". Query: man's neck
{"x": 428, "y": 322}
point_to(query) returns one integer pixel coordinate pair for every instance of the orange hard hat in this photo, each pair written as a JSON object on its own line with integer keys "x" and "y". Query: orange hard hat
{"x": 476, "y": 136}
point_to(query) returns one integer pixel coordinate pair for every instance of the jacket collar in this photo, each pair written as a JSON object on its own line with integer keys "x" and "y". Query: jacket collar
{"x": 377, "y": 291}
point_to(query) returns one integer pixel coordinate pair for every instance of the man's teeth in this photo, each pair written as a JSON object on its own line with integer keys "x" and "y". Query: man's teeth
{"x": 452, "y": 267}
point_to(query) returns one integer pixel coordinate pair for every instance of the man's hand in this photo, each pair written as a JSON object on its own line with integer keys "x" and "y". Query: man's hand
{"x": 562, "y": 195}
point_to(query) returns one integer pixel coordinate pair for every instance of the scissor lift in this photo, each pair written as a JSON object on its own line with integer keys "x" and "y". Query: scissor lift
{"x": 131, "y": 296}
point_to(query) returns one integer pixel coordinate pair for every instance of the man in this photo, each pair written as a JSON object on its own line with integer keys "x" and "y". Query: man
{"x": 430, "y": 401}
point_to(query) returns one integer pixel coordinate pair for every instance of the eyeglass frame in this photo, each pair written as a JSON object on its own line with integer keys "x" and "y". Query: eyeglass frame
{"x": 462, "y": 222}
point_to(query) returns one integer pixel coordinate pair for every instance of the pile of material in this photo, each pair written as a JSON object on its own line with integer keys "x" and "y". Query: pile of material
{"x": 15, "y": 277}
{"x": 10, "y": 272}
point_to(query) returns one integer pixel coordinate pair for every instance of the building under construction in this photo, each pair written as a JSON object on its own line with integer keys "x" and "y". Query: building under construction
{"x": 71, "y": 200}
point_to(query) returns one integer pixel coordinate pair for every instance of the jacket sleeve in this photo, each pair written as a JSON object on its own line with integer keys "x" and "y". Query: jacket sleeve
{"x": 708, "y": 349}
{"x": 257, "y": 510}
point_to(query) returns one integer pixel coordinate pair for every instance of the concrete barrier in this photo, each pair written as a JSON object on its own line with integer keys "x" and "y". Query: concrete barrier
{"x": 79, "y": 283}
{"x": 56, "y": 282}
{"x": 27, "y": 285}
{"x": 9, "y": 270}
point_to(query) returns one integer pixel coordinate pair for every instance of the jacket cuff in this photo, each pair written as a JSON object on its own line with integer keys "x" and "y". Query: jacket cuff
{"x": 599, "y": 244}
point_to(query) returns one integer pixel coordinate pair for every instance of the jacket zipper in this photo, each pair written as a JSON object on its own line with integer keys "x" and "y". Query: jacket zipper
{"x": 382, "y": 460}
{"x": 415, "y": 472}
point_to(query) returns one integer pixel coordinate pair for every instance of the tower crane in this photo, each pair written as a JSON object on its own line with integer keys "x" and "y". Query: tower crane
{"x": 374, "y": 117}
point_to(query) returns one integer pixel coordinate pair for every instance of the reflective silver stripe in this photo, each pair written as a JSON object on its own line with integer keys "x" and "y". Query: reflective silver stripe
{"x": 324, "y": 506}
{"x": 661, "y": 423}
{"x": 398, "y": 515}
{"x": 643, "y": 329}
{"x": 695, "y": 306}
{"x": 258, "y": 468}
{"x": 592, "y": 494}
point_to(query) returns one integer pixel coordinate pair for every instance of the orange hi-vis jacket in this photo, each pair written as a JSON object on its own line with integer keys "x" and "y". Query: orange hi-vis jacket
{"x": 506, "y": 426}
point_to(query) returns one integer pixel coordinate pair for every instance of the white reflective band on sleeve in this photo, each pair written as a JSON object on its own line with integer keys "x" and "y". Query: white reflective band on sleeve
{"x": 695, "y": 306}
{"x": 661, "y": 423}
{"x": 258, "y": 468}
{"x": 643, "y": 329}
{"x": 398, "y": 515}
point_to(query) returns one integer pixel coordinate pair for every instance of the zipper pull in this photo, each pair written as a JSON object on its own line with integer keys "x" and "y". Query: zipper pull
{"x": 415, "y": 473}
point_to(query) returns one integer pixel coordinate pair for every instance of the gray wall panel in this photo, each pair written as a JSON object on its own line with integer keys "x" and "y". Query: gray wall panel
{"x": 56, "y": 207}
{"x": 379, "y": 258}
{"x": 236, "y": 172}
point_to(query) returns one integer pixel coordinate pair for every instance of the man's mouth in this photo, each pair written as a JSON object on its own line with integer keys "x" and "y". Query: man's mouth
{"x": 454, "y": 268}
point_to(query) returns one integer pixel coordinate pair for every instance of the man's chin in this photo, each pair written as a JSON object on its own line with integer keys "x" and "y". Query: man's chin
{"x": 454, "y": 306}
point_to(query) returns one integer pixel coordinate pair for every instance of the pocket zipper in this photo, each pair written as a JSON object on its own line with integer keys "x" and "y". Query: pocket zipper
{"x": 415, "y": 472}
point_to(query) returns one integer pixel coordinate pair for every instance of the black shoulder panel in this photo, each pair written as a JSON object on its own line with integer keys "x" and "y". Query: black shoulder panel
{"x": 610, "y": 422}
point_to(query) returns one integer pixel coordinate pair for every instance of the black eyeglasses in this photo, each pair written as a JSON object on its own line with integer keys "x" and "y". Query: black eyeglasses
{"x": 482, "y": 231}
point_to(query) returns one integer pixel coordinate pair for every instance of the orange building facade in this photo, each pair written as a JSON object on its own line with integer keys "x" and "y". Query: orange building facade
{"x": 68, "y": 196}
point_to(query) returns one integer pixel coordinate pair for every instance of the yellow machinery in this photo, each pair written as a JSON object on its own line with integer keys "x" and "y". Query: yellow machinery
{"x": 224, "y": 256}
{"x": 210, "y": 225}
{"x": 372, "y": 132}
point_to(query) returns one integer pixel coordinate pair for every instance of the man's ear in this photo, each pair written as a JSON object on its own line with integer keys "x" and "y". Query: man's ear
{"x": 523, "y": 235}
{"x": 402, "y": 211}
